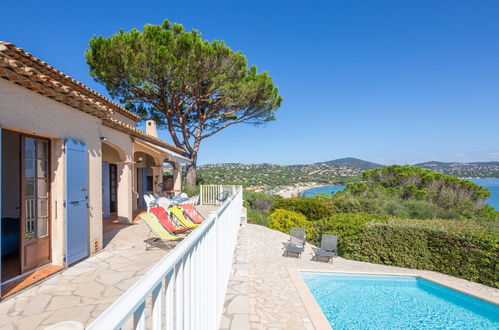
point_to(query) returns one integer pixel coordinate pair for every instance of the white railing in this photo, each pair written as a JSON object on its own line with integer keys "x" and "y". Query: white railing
{"x": 210, "y": 194}
{"x": 186, "y": 288}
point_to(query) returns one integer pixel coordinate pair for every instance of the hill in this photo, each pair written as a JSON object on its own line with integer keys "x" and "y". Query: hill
{"x": 272, "y": 175}
{"x": 464, "y": 170}
{"x": 354, "y": 163}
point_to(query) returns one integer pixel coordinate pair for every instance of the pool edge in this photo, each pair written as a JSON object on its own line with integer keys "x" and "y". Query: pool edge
{"x": 297, "y": 271}
{"x": 314, "y": 311}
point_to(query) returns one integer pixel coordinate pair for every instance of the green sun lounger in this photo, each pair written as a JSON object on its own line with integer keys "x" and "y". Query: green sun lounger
{"x": 179, "y": 214}
{"x": 158, "y": 231}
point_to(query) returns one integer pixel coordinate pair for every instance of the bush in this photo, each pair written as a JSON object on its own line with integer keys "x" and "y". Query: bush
{"x": 313, "y": 208}
{"x": 259, "y": 218}
{"x": 283, "y": 220}
{"x": 459, "y": 248}
{"x": 417, "y": 209}
{"x": 258, "y": 205}
{"x": 258, "y": 201}
{"x": 463, "y": 197}
{"x": 346, "y": 226}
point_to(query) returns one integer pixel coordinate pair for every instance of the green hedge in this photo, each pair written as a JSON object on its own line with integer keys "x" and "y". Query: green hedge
{"x": 313, "y": 208}
{"x": 459, "y": 248}
{"x": 346, "y": 226}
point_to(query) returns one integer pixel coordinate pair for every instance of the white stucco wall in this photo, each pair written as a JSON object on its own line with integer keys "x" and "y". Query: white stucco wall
{"x": 29, "y": 112}
{"x": 123, "y": 118}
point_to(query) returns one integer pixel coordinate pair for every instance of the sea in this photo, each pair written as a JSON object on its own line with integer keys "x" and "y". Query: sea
{"x": 492, "y": 184}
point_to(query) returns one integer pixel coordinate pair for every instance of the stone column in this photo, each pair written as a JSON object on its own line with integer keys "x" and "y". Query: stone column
{"x": 177, "y": 178}
{"x": 125, "y": 193}
{"x": 157, "y": 179}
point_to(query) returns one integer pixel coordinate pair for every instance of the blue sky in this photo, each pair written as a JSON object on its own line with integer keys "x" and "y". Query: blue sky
{"x": 387, "y": 81}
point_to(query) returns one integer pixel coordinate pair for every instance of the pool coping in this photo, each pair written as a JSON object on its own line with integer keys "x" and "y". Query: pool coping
{"x": 318, "y": 318}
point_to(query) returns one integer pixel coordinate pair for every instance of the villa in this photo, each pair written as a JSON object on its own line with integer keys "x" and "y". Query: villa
{"x": 74, "y": 170}
{"x": 72, "y": 161}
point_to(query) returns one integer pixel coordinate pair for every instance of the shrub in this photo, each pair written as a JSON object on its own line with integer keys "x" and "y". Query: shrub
{"x": 259, "y": 218}
{"x": 258, "y": 205}
{"x": 258, "y": 201}
{"x": 283, "y": 220}
{"x": 464, "y": 249}
{"x": 414, "y": 183}
{"x": 417, "y": 209}
{"x": 313, "y": 208}
{"x": 346, "y": 226}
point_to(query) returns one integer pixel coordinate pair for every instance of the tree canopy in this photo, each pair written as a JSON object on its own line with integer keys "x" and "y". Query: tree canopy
{"x": 411, "y": 183}
{"x": 193, "y": 87}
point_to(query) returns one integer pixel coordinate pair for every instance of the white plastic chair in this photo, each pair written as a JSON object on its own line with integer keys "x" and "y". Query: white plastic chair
{"x": 148, "y": 201}
{"x": 193, "y": 200}
{"x": 164, "y": 202}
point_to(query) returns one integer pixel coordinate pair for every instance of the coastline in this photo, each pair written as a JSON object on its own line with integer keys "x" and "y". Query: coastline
{"x": 298, "y": 189}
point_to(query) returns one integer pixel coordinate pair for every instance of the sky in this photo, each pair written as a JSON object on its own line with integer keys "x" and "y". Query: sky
{"x": 386, "y": 81}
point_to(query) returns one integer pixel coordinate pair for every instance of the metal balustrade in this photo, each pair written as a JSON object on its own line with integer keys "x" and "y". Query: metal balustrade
{"x": 209, "y": 194}
{"x": 186, "y": 288}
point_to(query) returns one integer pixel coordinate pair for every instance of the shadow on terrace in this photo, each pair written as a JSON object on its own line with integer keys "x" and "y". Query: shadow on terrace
{"x": 84, "y": 291}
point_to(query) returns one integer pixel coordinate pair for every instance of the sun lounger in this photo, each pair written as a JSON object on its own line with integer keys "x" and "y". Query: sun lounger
{"x": 192, "y": 213}
{"x": 296, "y": 242}
{"x": 162, "y": 236}
{"x": 165, "y": 221}
{"x": 328, "y": 249}
{"x": 179, "y": 215}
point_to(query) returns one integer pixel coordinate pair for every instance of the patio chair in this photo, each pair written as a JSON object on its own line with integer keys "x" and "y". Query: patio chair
{"x": 162, "y": 236}
{"x": 296, "y": 242}
{"x": 193, "y": 200}
{"x": 150, "y": 202}
{"x": 297, "y": 236}
{"x": 179, "y": 215}
{"x": 192, "y": 213}
{"x": 328, "y": 249}
{"x": 165, "y": 221}
{"x": 164, "y": 202}
{"x": 222, "y": 196}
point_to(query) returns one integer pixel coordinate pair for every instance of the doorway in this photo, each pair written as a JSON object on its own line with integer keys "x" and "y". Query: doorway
{"x": 25, "y": 203}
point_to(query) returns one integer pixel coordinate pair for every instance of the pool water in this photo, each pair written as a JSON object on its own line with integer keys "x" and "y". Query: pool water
{"x": 352, "y": 301}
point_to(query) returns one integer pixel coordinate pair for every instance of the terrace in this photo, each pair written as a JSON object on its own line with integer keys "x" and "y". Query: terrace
{"x": 84, "y": 291}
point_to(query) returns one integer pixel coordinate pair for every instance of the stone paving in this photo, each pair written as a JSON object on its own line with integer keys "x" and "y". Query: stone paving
{"x": 263, "y": 295}
{"x": 84, "y": 290}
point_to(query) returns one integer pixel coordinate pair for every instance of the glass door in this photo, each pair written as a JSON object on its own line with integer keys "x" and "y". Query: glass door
{"x": 35, "y": 231}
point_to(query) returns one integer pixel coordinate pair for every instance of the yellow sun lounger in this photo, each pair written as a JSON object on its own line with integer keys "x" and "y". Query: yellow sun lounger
{"x": 179, "y": 214}
{"x": 157, "y": 230}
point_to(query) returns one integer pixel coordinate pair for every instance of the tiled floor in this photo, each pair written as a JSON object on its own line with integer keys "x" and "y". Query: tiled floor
{"x": 83, "y": 291}
{"x": 86, "y": 289}
{"x": 262, "y": 293}
{"x": 36, "y": 276}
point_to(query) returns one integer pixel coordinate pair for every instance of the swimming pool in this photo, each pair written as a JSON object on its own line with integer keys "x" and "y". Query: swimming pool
{"x": 353, "y": 301}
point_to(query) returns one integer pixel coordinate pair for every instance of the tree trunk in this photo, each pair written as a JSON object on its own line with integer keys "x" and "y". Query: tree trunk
{"x": 191, "y": 175}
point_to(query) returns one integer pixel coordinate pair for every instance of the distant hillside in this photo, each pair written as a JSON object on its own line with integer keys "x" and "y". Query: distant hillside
{"x": 354, "y": 163}
{"x": 464, "y": 170}
{"x": 338, "y": 171}
{"x": 271, "y": 175}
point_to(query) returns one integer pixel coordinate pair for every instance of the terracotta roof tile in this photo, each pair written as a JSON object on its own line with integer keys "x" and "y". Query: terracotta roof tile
{"x": 133, "y": 131}
{"x": 19, "y": 54}
{"x": 44, "y": 79}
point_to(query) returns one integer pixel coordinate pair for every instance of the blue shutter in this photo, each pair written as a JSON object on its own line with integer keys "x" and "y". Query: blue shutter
{"x": 76, "y": 201}
{"x": 106, "y": 193}
{"x": 144, "y": 181}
